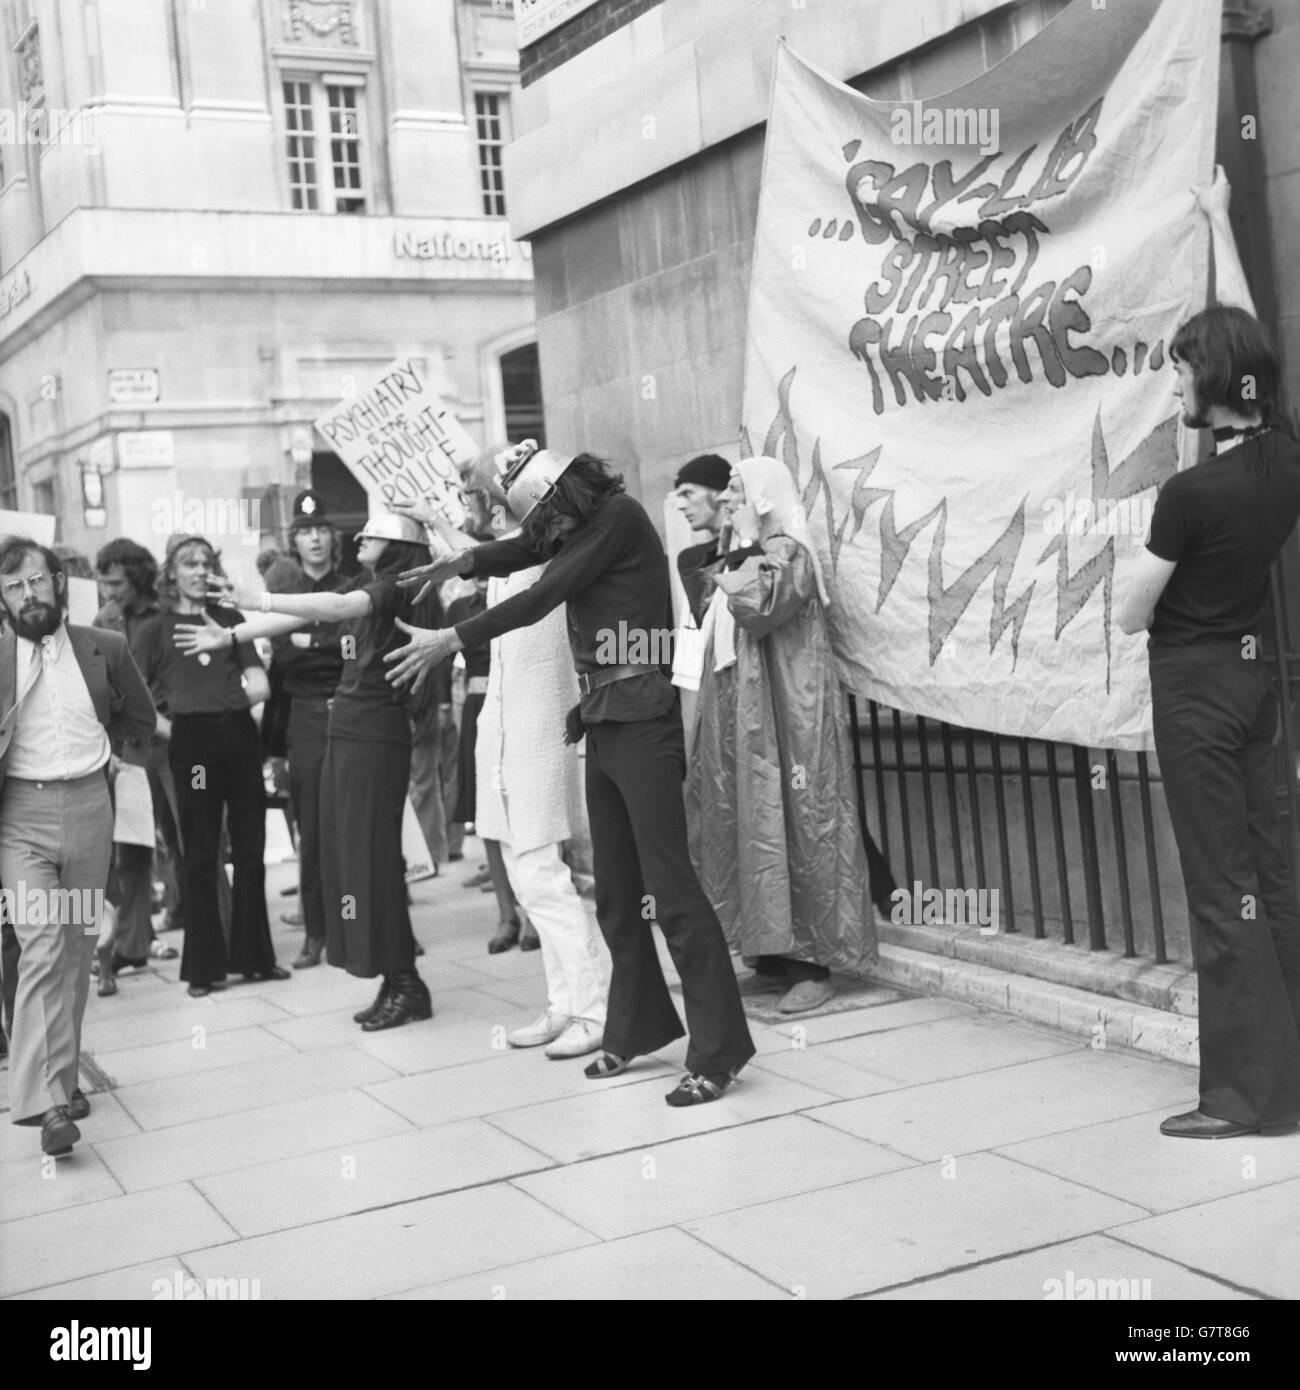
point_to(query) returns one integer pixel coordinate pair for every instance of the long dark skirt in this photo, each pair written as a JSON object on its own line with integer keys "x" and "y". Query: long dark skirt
{"x": 363, "y": 792}
{"x": 466, "y": 797}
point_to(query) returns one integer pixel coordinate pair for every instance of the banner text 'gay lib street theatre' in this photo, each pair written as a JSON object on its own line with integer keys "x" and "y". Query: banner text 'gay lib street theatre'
{"x": 958, "y": 338}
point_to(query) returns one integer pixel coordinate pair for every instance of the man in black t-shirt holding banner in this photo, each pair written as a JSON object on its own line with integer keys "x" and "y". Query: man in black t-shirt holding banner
{"x": 1200, "y": 587}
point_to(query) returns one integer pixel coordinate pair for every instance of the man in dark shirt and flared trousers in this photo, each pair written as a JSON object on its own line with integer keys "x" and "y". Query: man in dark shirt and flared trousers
{"x": 1200, "y": 587}
{"x": 608, "y": 565}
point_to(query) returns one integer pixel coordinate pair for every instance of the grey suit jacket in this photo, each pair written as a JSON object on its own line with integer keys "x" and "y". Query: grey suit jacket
{"x": 117, "y": 689}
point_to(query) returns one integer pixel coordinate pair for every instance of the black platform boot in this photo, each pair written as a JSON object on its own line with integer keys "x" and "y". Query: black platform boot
{"x": 381, "y": 999}
{"x": 407, "y": 1001}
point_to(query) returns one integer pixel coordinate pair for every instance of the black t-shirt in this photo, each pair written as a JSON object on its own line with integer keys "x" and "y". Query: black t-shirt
{"x": 366, "y": 705}
{"x": 210, "y": 683}
{"x": 314, "y": 671}
{"x": 1223, "y": 521}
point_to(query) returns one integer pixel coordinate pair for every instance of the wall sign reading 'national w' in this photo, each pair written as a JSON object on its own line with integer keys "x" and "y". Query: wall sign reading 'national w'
{"x": 958, "y": 343}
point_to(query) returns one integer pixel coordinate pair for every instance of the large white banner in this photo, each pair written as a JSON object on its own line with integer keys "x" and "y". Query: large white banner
{"x": 958, "y": 343}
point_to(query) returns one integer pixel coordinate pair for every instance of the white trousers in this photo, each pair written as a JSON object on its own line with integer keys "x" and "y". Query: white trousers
{"x": 574, "y": 956}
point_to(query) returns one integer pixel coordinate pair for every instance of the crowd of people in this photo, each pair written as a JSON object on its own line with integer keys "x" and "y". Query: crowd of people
{"x": 747, "y": 838}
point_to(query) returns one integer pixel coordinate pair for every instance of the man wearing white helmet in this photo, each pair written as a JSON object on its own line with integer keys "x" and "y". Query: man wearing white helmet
{"x": 608, "y": 566}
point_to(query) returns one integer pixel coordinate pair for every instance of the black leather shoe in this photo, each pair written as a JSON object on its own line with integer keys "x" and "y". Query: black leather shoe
{"x": 276, "y": 972}
{"x": 198, "y": 991}
{"x": 367, "y": 1014}
{"x": 78, "y": 1105}
{"x": 529, "y": 940}
{"x": 408, "y": 1001}
{"x": 312, "y": 950}
{"x": 1194, "y": 1125}
{"x": 58, "y": 1133}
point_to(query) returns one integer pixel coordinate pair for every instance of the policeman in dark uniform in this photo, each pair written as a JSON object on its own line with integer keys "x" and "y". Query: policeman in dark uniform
{"x": 311, "y": 664}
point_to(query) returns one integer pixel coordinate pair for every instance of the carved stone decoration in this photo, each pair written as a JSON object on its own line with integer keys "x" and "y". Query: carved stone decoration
{"x": 31, "y": 77}
{"x": 320, "y": 22}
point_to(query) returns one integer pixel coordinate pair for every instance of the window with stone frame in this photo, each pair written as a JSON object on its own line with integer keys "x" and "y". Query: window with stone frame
{"x": 324, "y": 131}
{"x": 490, "y": 119}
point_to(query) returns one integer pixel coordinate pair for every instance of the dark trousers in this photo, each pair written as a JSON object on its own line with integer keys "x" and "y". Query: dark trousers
{"x": 643, "y": 872}
{"x": 216, "y": 760}
{"x": 367, "y": 919}
{"x": 1215, "y": 716}
{"x": 307, "y": 734}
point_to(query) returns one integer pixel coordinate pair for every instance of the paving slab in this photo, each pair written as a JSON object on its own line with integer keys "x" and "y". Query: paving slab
{"x": 1094, "y": 1268}
{"x": 949, "y": 1047}
{"x": 178, "y": 1100}
{"x": 517, "y": 1078}
{"x": 358, "y": 1176}
{"x": 1130, "y": 1158}
{"x": 605, "y": 1121}
{"x": 136, "y": 1283}
{"x": 1054, "y": 1095}
{"x": 114, "y": 1234}
{"x": 399, "y": 1247}
{"x": 1249, "y": 1240}
{"x": 38, "y": 1184}
{"x": 190, "y": 1056}
{"x": 664, "y": 1265}
{"x": 670, "y": 1182}
{"x": 890, "y": 1229}
{"x": 229, "y": 1143}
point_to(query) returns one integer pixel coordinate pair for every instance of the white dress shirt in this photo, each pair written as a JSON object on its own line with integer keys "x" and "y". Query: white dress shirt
{"x": 57, "y": 736}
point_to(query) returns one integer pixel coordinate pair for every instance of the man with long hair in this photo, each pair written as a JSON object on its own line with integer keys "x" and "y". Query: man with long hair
{"x": 607, "y": 564}
{"x": 216, "y": 760}
{"x": 67, "y": 694}
{"x": 1200, "y": 589}
{"x": 127, "y": 575}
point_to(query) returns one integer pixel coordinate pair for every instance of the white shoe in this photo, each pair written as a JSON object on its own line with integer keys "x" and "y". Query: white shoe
{"x": 579, "y": 1038}
{"x": 545, "y": 1030}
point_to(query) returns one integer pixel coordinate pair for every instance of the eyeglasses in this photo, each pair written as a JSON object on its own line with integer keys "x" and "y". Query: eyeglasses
{"x": 16, "y": 588}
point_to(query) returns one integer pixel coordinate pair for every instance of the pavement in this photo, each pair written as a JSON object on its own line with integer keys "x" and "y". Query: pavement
{"x": 895, "y": 1146}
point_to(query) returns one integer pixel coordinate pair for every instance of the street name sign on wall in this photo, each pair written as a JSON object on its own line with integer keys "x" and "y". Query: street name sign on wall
{"x": 536, "y": 18}
{"x": 400, "y": 441}
{"x": 958, "y": 343}
{"x": 134, "y": 385}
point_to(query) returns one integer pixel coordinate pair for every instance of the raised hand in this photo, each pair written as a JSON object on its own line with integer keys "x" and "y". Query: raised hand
{"x": 1212, "y": 198}
{"x": 430, "y": 576}
{"x": 424, "y": 651}
{"x": 193, "y": 639}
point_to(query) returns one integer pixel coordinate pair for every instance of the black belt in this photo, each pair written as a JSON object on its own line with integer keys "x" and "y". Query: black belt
{"x": 607, "y": 675}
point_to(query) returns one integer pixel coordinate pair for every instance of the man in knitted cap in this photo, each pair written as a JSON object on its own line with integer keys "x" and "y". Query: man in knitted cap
{"x": 698, "y": 488}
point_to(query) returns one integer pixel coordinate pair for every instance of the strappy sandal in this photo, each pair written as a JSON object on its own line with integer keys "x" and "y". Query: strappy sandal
{"x": 607, "y": 1064}
{"x": 695, "y": 1089}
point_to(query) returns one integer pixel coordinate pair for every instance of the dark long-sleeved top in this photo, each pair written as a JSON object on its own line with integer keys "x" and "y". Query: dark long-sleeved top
{"x": 698, "y": 568}
{"x": 478, "y": 660}
{"x": 314, "y": 671}
{"x": 611, "y": 571}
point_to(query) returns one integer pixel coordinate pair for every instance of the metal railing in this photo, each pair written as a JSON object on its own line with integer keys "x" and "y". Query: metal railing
{"x": 1076, "y": 841}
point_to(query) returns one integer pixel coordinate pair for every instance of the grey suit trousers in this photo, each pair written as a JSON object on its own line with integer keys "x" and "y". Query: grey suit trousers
{"x": 55, "y": 843}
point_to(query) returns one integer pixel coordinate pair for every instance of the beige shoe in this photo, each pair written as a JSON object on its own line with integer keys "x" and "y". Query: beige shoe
{"x": 807, "y": 994}
{"x": 545, "y": 1030}
{"x": 579, "y": 1038}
